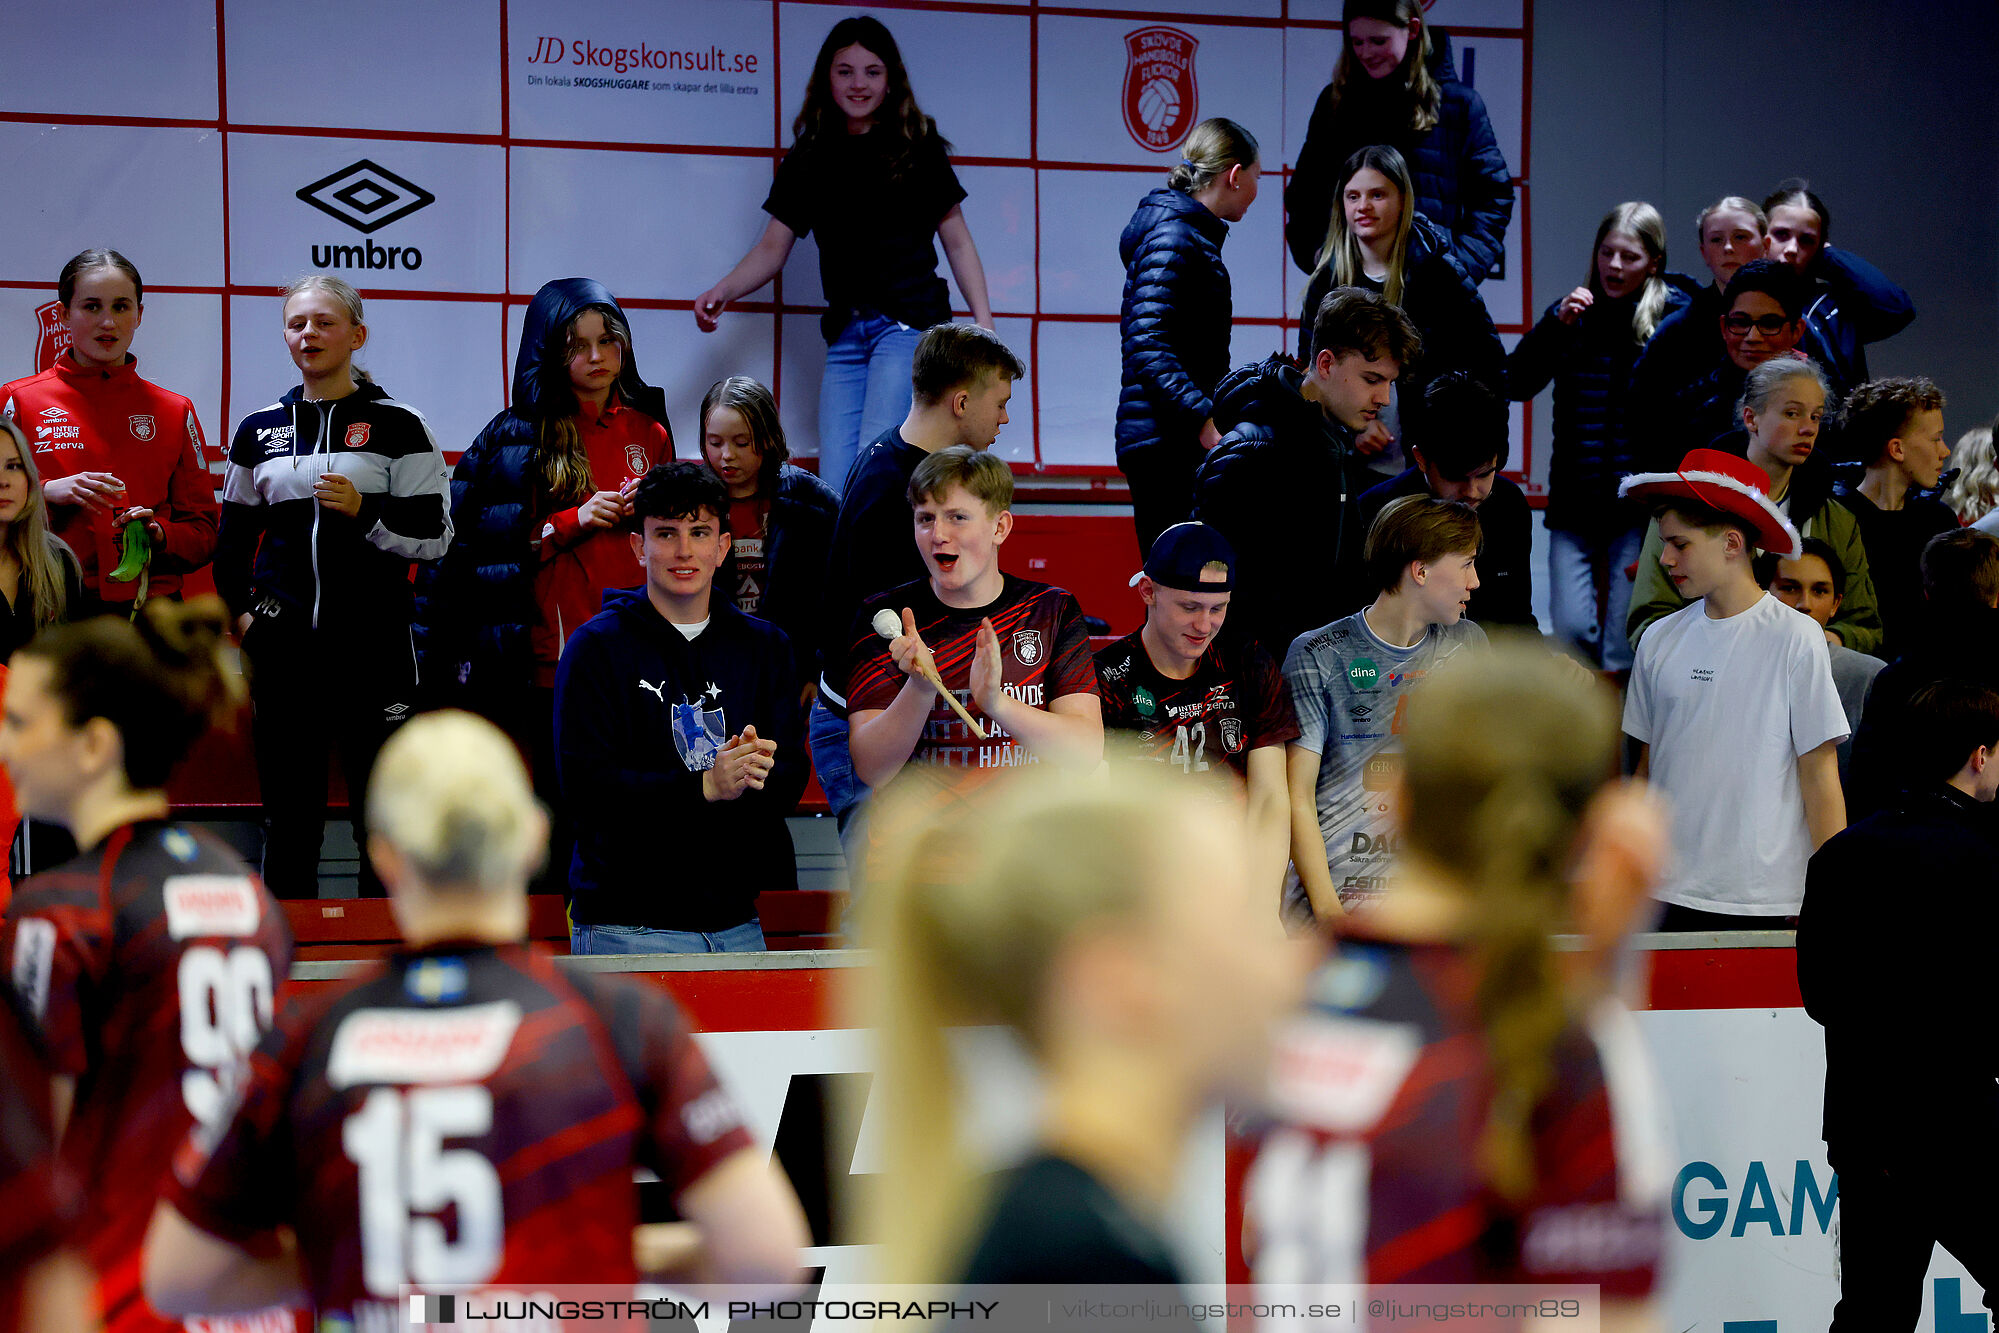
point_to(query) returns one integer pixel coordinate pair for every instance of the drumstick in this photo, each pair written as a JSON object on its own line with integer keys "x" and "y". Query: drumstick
{"x": 889, "y": 626}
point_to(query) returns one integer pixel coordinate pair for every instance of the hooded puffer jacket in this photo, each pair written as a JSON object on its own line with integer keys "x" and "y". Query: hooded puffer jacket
{"x": 476, "y": 607}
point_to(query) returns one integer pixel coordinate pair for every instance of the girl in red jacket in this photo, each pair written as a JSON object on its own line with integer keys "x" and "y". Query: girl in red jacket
{"x": 113, "y": 448}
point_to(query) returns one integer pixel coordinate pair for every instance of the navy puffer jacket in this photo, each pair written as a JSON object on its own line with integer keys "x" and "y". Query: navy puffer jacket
{"x": 1590, "y": 362}
{"x": 475, "y": 607}
{"x": 1444, "y": 306}
{"x": 1461, "y": 179}
{"x": 1175, "y": 321}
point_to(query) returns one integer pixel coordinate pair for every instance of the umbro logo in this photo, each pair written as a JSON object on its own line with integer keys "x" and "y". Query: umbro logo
{"x": 366, "y": 196}
{"x": 54, "y": 414}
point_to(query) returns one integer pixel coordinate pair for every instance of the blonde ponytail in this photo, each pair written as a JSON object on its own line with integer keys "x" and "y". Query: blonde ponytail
{"x": 1213, "y": 147}
{"x": 1502, "y": 755}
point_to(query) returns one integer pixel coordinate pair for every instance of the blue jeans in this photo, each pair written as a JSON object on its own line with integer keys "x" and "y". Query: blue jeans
{"x": 1575, "y": 563}
{"x": 746, "y": 938}
{"x": 834, "y": 763}
{"x": 864, "y": 392}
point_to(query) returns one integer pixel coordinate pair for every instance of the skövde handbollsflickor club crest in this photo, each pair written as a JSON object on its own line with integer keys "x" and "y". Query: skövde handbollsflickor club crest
{"x": 51, "y": 334}
{"x": 699, "y": 729}
{"x": 1160, "y": 95}
{"x": 143, "y": 427}
{"x": 1027, "y": 646}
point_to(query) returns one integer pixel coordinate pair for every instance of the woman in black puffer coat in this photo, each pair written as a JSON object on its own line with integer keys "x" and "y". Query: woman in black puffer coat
{"x": 1587, "y": 343}
{"x": 1175, "y": 321}
{"x": 1395, "y": 84}
{"x": 1378, "y": 243}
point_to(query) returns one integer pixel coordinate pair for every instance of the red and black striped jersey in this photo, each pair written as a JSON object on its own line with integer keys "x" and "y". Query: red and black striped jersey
{"x": 150, "y": 965}
{"x": 1370, "y": 1170}
{"x": 463, "y": 1114}
{"x": 1234, "y": 702}
{"x": 37, "y": 1203}
{"x": 1044, "y": 648}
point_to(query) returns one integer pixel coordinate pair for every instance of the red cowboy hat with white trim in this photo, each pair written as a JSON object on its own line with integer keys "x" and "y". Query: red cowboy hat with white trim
{"x": 1720, "y": 480}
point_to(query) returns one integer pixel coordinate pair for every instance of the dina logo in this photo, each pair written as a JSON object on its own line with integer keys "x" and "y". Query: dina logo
{"x": 367, "y": 197}
{"x": 1160, "y": 95}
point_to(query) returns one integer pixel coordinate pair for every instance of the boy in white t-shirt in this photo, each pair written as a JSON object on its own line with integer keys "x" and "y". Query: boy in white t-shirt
{"x": 1732, "y": 701}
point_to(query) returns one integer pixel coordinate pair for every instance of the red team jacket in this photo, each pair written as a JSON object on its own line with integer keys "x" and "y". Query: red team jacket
{"x": 150, "y": 963}
{"x": 472, "y": 1083}
{"x": 87, "y": 420}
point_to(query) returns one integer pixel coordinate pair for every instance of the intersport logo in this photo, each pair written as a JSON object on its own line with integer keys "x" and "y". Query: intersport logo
{"x": 367, "y": 197}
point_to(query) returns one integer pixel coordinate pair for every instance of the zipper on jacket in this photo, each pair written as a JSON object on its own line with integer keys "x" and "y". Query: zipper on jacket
{"x": 319, "y": 447}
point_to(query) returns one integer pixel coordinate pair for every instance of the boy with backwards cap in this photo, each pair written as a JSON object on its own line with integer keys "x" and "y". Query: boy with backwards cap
{"x": 1188, "y": 698}
{"x": 1732, "y": 703}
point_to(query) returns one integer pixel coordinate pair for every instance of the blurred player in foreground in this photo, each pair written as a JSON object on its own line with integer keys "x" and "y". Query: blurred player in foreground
{"x": 1114, "y": 926}
{"x": 550, "y": 1084}
{"x": 151, "y": 961}
{"x": 44, "y": 1287}
{"x": 1453, "y": 1105}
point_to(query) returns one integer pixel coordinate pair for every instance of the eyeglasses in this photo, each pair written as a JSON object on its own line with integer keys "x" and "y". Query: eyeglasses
{"x": 1770, "y": 324}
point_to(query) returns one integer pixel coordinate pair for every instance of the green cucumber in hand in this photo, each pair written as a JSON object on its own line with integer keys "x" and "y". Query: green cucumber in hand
{"x": 135, "y": 550}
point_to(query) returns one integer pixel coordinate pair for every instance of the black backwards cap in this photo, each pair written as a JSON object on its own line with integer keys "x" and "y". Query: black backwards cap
{"x": 1182, "y": 552}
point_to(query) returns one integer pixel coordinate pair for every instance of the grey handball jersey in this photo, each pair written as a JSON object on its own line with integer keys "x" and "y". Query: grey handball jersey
{"x": 1350, "y": 687}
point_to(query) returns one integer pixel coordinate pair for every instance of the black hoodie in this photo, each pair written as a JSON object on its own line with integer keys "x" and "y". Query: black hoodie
{"x": 1283, "y": 486}
{"x": 476, "y": 608}
{"x": 629, "y": 696}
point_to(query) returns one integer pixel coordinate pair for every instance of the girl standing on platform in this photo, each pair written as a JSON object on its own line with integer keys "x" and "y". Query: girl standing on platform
{"x": 1174, "y": 325}
{"x": 114, "y": 449}
{"x": 868, "y": 171}
{"x": 1395, "y": 85}
{"x": 1587, "y": 343}
{"x": 330, "y": 493}
{"x": 538, "y": 506}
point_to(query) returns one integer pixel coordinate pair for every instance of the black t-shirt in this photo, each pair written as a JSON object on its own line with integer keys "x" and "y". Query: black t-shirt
{"x": 874, "y": 539}
{"x": 1052, "y": 1221}
{"x": 877, "y": 222}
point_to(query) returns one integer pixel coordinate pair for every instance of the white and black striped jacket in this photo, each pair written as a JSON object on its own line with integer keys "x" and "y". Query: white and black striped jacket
{"x": 283, "y": 555}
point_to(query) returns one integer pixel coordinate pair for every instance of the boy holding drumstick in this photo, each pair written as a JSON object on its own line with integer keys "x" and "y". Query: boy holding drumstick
{"x": 1016, "y": 654}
